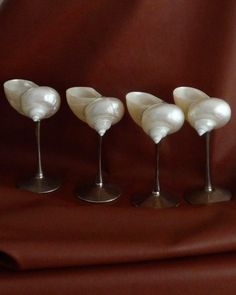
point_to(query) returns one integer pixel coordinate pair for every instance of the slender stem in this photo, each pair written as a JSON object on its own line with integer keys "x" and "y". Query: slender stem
{"x": 99, "y": 180}
{"x": 208, "y": 185}
{"x": 156, "y": 189}
{"x": 39, "y": 173}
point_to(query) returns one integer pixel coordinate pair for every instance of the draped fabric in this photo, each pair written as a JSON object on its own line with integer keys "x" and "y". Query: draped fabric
{"x": 55, "y": 244}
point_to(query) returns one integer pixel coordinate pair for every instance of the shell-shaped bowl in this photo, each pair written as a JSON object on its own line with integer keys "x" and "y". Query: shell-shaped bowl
{"x": 162, "y": 119}
{"x": 138, "y": 102}
{"x": 40, "y": 103}
{"x": 14, "y": 89}
{"x": 209, "y": 114}
{"x": 185, "y": 96}
{"x": 103, "y": 112}
{"x": 79, "y": 97}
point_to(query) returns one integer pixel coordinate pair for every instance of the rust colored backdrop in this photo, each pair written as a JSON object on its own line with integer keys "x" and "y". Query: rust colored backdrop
{"x": 116, "y": 47}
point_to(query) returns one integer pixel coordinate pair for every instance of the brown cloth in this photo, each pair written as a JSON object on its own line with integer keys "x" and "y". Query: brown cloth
{"x": 55, "y": 244}
{"x": 47, "y": 234}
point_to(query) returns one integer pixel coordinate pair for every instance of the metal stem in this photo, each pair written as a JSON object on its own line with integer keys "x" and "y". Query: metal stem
{"x": 208, "y": 185}
{"x": 39, "y": 173}
{"x": 99, "y": 180}
{"x": 156, "y": 189}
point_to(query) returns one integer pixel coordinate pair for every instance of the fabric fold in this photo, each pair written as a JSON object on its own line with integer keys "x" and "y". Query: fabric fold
{"x": 44, "y": 236}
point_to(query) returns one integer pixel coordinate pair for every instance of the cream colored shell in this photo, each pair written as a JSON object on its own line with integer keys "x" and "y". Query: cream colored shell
{"x": 40, "y": 102}
{"x": 160, "y": 120}
{"x": 104, "y": 112}
{"x": 79, "y": 97}
{"x": 204, "y": 113}
{"x": 97, "y": 111}
{"x": 138, "y": 102}
{"x": 31, "y": 100}
{"x": 185, "y": 96}
{"x": 209, "y": 114}
{"x": 14, "y": 89}
{"x": 157, "y": 118}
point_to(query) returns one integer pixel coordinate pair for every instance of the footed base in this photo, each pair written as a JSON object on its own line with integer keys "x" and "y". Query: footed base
{"x": 156, "y": 201}
{"x": 98, "y": 194}
{"x": 201, "y": 197}
{"x": 39, "y": 185}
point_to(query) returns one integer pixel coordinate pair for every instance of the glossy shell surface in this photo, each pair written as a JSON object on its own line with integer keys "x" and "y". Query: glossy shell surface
{"x": 31, "y": 100}
{"x": 138, "y": 102}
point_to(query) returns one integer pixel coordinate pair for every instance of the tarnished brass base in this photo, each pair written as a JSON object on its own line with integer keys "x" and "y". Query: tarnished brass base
{"x": 98, "y": 194}
{"x": 39, "y": 185}
{"x": 156, "y": 201}
{"x": 201, "y": 196}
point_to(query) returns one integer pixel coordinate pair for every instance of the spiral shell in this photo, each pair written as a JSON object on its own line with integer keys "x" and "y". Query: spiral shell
{"x": 31, "y": 100}
{"x": 97, "y": 111}
{"x": 160, "y": 120}
{"x": 157, "y": 118}
{"x": 104, "y": 112}
{"x": 40, "y": 102}
{"x": 14, "y": 89}
{"x": 185, "y": 96}
{"x": 203, "y": 112}
{"x": 209, "y": 114}
{"x": 79, "y": 97}
{"x": 138, "y": 102}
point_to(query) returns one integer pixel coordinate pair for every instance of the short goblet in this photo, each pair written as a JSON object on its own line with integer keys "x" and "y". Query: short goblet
{"x": 204, "y": 114}
{"x": 100, "y": 113}
{"x": 157, "y": 119}
{"x": 37, "y": 103}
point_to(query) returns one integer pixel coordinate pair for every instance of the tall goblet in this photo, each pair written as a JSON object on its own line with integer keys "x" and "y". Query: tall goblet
{"x": 204, "y": 114}
{"x": 100, "y": 113}
{"x": 158, "y": 119}
{"x": 37, "y": 103}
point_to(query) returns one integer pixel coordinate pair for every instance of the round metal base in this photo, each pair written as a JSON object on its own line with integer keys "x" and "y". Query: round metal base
{"x": 39, "y": 185}
{"x": 156, "y": 201}
{"x": 98, "y": 194}
{"x": 201, "y": 197}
